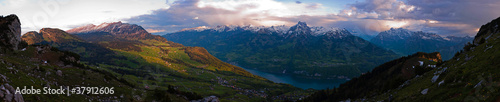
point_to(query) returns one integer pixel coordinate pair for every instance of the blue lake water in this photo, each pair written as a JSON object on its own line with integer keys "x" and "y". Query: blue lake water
{"x": 304, "y": 83}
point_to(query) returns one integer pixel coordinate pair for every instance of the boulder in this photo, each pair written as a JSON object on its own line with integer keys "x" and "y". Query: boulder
{"x": 59, "y": 73}
{"x": 424, "y": 91}
{"x": 434, "y": 78}
{"x": 442, "y": 82}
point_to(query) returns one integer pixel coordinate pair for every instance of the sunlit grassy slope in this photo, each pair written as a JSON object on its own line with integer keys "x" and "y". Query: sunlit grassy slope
{"x": 156, "y": 64}
{"x": 27, "y": 68}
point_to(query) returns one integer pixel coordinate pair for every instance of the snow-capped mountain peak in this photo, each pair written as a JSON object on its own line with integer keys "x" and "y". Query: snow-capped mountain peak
{"x": 301, "y": 24}
{"x": 301, "y": 28}
{"x": 85, "y": 28}
{"x": 399, "y": 32}
{"x": 322, "y": 30}
{"x": 92, "y": 28}
{"x": 402, "y": 34}
{"x": 281, "y": 29}
{"x": 200, "y": 28}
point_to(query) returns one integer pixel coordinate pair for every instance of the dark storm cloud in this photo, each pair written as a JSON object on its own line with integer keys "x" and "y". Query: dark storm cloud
{"x": 474, "y": 12}
{"x": 463, "y": 16}
{"x": 453, "y": 17}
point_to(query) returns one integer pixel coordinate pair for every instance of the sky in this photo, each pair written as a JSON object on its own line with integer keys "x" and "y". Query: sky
{"x": 443, "y": 17}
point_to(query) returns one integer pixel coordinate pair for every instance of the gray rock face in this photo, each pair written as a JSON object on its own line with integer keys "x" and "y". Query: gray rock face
{"x": 10, "y": 32}
{"x": 434, "y": 78}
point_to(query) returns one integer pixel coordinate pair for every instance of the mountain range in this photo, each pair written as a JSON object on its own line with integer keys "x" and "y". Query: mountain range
{"x": 299, "y": 50}
{"x": 405, "y": 42}
{"x": 150, "y": 62}
{"x": 470, "y": 75}
{"x": 145, "y": 67}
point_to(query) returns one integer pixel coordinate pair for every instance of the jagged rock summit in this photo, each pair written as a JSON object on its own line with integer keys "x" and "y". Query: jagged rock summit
{"x": 300, "y": 29}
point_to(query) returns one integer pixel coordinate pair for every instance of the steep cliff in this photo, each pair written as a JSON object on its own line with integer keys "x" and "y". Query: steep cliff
{"x": 10, "y": 32}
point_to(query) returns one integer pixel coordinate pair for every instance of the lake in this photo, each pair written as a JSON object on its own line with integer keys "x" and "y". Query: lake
{"x": 304, "y": 83}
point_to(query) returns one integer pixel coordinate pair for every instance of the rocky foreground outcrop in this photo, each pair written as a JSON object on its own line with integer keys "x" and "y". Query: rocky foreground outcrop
{"x": 10, "y": 37}
{"x": 10, "y": 32}
{"x": 7, "y": 92}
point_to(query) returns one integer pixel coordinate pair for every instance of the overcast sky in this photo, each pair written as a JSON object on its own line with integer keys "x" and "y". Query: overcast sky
{"x": 444, "y": 17}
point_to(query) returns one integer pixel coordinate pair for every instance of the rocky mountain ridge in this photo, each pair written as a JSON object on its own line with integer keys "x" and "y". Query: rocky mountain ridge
{"x": 300, "y": 50}
{"x": 471, "y": 75}
{"x": 299, "y": 28}
{"x": 118, "y": 29}
{"x": 151, "y": 62}
{"x": 405, "y": 42}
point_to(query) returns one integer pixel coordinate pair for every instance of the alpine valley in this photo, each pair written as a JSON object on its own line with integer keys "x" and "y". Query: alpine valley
{"x": 300, "y": 50}
{"x": 139, "y": 65}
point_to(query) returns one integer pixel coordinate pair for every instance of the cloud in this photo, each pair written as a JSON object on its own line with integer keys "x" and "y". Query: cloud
{"x": 64, "y": 14}
{"x": 444, "y": 17}
{"x": 476, "y": 12}
{"x": 384, "y": 9}
{"x": 194, "y": 13}
{"x": 314, "y": 6}
{"x": 155, "y": 30}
